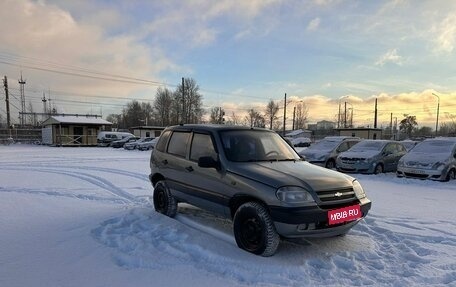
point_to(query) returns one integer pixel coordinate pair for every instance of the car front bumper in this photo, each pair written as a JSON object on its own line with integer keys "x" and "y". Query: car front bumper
{"x": 419, "y": 173}
{"x": 359, "y": 167}
{"x": 312, "y": 221}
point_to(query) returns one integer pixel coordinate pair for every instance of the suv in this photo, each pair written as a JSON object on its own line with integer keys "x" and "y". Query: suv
{"x": 325, "y": 152}
{"x": 255, "y": 178}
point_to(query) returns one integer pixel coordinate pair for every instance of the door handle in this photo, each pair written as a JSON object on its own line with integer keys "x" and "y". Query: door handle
{"x": 189, "y": 168}
{"x": 164, "y": 161}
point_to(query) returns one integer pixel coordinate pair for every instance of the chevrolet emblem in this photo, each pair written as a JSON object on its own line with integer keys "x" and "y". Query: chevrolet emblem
{"x": 338, "y": 194}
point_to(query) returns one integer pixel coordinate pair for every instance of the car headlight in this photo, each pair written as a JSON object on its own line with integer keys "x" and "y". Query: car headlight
{"x": 358, "y": 189}
{"x": 438, "y": 166}
{"x": 294, "y": 194}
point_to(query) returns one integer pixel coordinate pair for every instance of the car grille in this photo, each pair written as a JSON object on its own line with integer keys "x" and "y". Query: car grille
{"x": 416, "y": 175}
{"x": 336, "y": 195}
{"x": 351, "y": 160}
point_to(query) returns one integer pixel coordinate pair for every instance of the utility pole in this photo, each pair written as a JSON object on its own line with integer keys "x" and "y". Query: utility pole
{"x": 391, "y": 125}
{"x": 8, "y": 119}
{"x": 338, "y": 117}
{"x": 22, "y": 84}
{"x": 294, "y": 116}
{"x": 345, "y": 115}
{"x": 437, "y": 120}
{"x": 375, "y": 117}
{"x": 183, "y": 100}
{"x": 284, "y": 113}
{"x": 44, "y": 106}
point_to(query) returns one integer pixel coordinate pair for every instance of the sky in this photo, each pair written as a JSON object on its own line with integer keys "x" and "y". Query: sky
{"x": 95, "y": 56}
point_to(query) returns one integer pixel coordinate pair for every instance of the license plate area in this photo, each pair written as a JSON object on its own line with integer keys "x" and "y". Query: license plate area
{"x": 344, "y": 214}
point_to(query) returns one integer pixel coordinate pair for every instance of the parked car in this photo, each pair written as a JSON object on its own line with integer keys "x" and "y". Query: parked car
{"x": 255, "y": 178}
{"x": 301, "y": 142}
{"x": 134, "y": 144}
{"x": 105, "y": 138}
{"x": 431, "y": 159}
{"x": 409, "y": 144}
{"x": 120, "y": 143}
{"x": 325, "y": 152}
{"x": 148, "y": 145}
{"x": 371, "y": 156}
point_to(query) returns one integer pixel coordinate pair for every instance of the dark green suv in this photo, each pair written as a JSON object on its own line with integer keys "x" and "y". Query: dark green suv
{"x": 255, "y": 178}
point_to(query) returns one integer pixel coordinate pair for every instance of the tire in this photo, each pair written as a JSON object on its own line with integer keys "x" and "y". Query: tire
{"x": 331, "y": 164}
{"x": 254, "y": 230}
{"x": 378, "y": 169}
{"x": 451, "y": 175}
{"x": 164, "y": 201}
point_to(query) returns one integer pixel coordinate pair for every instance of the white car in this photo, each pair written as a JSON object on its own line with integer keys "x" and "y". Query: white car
{"x": 431, "y": 159}
{"x": 135, "y": 144}
{"x": 148, "y": 145}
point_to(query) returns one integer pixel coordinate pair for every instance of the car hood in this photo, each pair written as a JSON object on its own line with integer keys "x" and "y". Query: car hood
{"x": 289, "y": 173}
{"x": 313, "y": 154}
{"x": 424, "y": 158}
{"x": 359, "y": 154}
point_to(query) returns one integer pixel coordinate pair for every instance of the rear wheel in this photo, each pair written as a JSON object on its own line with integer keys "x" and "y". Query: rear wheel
{"x": 254, "y": 229}
{"x": 164, "y": 201}
{"x": 378, "y": 168}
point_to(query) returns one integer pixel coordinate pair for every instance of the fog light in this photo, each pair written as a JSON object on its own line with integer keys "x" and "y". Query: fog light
{"x": 302, "y": 227}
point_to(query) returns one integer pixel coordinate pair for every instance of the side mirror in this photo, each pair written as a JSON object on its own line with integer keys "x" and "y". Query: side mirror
{"x": 208, "y": 162}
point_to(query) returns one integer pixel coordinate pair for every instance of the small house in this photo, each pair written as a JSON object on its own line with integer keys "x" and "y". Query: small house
{"x": 73, "y": 130}
{"x": 147, "y": 131}
{"x": 364, "y": 133}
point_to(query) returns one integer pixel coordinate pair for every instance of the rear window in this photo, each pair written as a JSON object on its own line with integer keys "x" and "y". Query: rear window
{"x": 161, "y": 145}
{"x": 178, "y": 143}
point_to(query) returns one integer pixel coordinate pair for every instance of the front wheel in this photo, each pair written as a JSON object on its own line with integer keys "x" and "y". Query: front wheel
{"x": 378, "y": 168}
{"x": 164, "y": 201}
{"x": 254, "y": 229}
{"x": 451, "y": 175}
{"x": 331, "y": 164}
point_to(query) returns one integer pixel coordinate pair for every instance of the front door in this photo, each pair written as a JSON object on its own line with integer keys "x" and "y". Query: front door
{"x": 77, "y": 135}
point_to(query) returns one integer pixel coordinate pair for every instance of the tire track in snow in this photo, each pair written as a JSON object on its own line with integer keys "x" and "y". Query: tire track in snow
{"x": 95, "y": 180}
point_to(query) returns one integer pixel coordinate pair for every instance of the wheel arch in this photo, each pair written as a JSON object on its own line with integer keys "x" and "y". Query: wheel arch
{"x": 238, "y": 200}
{"x": 156, "y": 178}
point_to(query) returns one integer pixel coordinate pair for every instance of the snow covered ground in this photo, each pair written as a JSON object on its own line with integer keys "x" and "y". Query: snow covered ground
{"x": 82, "y": 217}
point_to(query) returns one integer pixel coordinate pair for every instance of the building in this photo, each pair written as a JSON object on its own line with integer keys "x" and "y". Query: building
{"x": 147, "y": 131}
{"x": 73, "y": 130}
{"x": 364, "y": 133}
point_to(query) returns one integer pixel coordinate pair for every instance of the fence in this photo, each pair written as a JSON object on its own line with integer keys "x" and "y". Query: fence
{"x": 20, "y": 135}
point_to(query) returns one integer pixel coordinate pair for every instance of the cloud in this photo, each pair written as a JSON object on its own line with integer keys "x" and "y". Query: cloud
{"x": 390, "y": 57}
{"x": 313, "y": 25}
{"x": 446, "y": 35}
{"x": 40, "y": 34}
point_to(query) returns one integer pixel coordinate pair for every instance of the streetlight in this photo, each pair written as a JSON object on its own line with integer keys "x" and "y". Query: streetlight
{"x": 437, "y": 120}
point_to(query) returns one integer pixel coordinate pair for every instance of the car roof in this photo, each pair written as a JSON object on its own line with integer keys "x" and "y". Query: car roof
{"x": 212, "y": 127}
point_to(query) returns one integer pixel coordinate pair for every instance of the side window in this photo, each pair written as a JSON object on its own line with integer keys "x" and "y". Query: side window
{"x": 352, "y": 143}
{"x": 400, "y": 148}
{"x": 161, "y": 145}
{"x": 178, "y": 143}
{"x": 202, "y": 146}
{"x": 389, "y": 149}
{"x": 343, "y": 147}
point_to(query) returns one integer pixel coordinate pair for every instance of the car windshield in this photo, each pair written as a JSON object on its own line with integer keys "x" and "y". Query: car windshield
{"x": 325, "y": 145}
{"x": 437, "y": 146}
{"x": 256, "y": 145}
{"x": 368, "y": 146}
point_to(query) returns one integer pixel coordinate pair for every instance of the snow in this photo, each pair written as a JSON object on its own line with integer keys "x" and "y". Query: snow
{"x": 82, "y": 217}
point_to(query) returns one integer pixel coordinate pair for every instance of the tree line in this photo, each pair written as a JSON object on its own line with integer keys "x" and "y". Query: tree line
{"x": 185, "y": 105}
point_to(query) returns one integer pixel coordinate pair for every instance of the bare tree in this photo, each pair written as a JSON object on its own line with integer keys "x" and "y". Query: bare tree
{"x": 190, "y": 101}
{"x": 162, "y": 105}
{"x": 255, "y": 119}
{"x": 216, "y": 116}
{"x": 271, "y": 112}
{"x": 301, "y": 114}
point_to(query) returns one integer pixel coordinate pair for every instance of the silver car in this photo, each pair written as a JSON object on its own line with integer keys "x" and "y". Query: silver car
{"x": 325, "y": 152}
{"x": 371, "y": 156}
{"x": 431, "y": 159}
